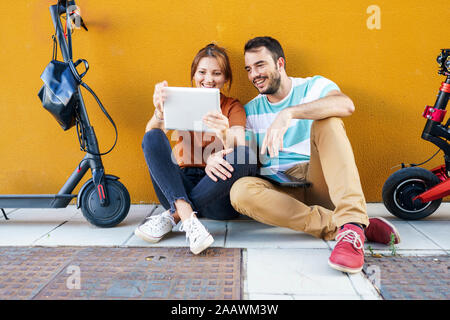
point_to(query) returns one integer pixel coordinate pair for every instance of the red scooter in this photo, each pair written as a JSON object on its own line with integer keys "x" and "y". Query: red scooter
{"x": 413, "y": 192}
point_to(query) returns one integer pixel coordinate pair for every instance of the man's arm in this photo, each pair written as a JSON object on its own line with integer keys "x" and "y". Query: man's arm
{"x": 334, "y": 104}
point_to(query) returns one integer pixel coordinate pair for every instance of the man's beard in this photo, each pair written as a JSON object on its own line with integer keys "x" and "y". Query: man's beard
{"x": 274, "y": 84}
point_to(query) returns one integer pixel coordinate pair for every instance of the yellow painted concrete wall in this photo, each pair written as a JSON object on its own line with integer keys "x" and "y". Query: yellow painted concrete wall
{"x": 390, "y": 73}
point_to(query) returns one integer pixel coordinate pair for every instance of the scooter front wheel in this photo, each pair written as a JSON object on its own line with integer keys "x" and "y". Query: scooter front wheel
{"x": 110, "y": 215}
{"x": 403, "y": 186}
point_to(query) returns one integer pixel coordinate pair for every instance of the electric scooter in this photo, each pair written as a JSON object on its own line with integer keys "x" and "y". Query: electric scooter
{"x": 413, "y": 192}
{"x": 104, "y": 201}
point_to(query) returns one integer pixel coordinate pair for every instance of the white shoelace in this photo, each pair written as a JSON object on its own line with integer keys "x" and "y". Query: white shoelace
{"x": 352, "y": 237}
{"x": 159, "y": 219}
{"x": 192, "y": 227}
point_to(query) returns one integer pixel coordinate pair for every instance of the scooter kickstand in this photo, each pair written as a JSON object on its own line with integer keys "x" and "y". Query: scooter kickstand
{"x": 4, "y": 214}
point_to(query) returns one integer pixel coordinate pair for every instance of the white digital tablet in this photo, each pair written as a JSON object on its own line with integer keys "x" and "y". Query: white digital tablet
{"x": 184, "y": 108}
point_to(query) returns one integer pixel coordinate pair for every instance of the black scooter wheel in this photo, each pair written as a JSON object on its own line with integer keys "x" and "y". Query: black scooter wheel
{"x": 402, "y": 186}
{"x": 114, "y": 212}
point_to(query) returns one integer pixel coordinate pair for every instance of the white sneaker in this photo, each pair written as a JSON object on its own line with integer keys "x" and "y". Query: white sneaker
{"x": 199, "y": 237}
{"x": 156, "y": 227}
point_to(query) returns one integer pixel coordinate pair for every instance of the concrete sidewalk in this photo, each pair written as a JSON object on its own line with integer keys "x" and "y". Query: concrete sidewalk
{"x": 278, "y": 263}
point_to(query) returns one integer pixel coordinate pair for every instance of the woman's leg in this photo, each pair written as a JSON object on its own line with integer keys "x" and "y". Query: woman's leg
{"x": 221, "y": 209}
{"x": 212, "y": 199}
{"x": 166, "y": 175}
{"x": 168, "y": 180}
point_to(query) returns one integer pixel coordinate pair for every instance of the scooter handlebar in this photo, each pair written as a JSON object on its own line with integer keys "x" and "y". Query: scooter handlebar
{"x": 443, "y": 60}
{"x": 74, "y": 12}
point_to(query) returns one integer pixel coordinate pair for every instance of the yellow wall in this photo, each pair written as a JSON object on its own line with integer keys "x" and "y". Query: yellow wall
{"x": 389, "y": 73}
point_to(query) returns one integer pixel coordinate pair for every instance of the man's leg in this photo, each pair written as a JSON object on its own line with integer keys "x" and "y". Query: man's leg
{"x": 333, "y": 173}
{"x": 314, "y": 210}
{"x": 334, "y": 176}
{"x": 281, "y": 206}
{"x": 336, "y": 183}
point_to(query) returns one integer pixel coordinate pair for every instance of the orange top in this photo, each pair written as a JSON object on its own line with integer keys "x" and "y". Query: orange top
{"x": 193, "y": 148}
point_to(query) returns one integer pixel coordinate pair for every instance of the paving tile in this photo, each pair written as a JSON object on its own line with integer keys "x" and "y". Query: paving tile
{"x": 437, "y": 231}
{"x": 379, "y": 210}
{"x": 364, "y": 287}
{"x": 43, "y": 215}
{"x": 8, "y": 212}
{"x": 252, "y": 234}
{"x": 295, "y": 272}
{"x": 259, "y": 296}
{"x": 410, "y": 238}
{"x": 78, "y": 232}
{"x": 442, "y": 213}
{"x": 25, "y": 226}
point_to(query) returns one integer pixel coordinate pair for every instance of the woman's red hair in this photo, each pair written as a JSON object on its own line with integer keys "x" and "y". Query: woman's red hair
{"x": 213, "y": 50}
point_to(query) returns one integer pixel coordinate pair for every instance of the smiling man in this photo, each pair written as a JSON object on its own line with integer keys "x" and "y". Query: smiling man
{"x": 297, "y": 126}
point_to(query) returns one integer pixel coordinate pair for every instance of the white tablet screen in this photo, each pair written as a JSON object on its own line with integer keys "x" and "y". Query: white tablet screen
{"x": 184, "y": 108}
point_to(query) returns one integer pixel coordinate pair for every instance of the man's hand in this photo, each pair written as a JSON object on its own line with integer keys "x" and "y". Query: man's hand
{"x": 217, "y": 166}
{"x": 273, "y": 141}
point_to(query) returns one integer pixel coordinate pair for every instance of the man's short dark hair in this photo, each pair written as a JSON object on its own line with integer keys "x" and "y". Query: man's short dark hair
{"x": 269, "y": 43}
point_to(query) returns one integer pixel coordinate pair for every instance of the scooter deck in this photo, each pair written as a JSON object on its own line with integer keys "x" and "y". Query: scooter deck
{"x": 36, "y": 200}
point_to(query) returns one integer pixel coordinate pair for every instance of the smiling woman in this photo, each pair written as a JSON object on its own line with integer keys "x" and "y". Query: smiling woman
{"x": 207, "y": 165}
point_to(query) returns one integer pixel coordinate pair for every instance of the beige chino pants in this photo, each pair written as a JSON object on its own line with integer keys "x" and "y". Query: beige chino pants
{"x": 334, "y": 199}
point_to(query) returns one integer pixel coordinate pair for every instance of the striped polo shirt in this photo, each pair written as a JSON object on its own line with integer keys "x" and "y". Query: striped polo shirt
{"x": 296, "y": 141}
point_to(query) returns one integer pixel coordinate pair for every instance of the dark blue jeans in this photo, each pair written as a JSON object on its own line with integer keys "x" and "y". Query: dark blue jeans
{"x": 210, "y": 199}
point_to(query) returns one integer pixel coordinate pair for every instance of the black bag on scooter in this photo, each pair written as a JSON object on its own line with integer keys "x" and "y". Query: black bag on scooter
{"x": 58, "y": 94}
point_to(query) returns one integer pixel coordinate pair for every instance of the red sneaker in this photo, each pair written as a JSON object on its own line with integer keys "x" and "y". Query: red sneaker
{"x": 380, "y": 230}
{"x": 348, "y": 254}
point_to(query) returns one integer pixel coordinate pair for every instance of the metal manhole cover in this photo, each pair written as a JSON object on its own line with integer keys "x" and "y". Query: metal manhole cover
{"x": 119, "y": 273}
{"x": 410, "y": 277}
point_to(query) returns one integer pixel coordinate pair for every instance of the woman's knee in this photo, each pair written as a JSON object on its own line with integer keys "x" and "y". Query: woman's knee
{"x": 152, "y": 137}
